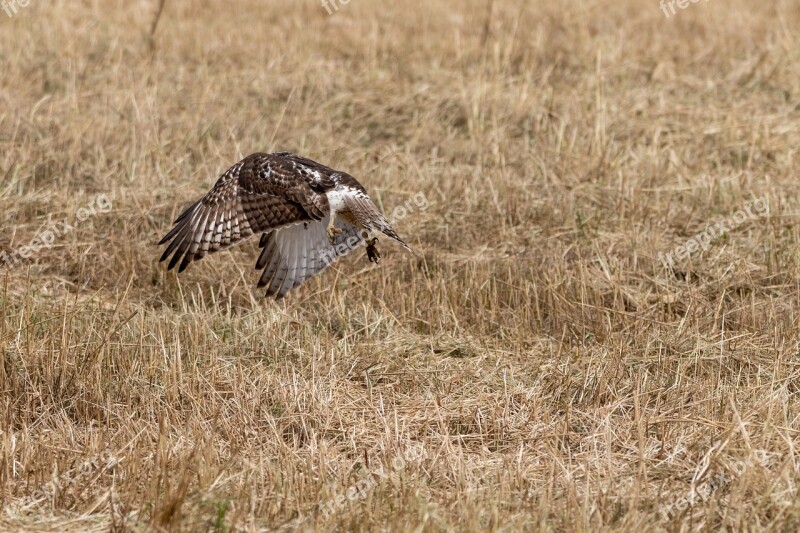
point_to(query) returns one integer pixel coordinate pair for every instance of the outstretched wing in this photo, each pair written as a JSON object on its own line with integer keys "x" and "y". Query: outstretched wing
{"x": 260, "y": 193}
{"x": 293, "y": 254}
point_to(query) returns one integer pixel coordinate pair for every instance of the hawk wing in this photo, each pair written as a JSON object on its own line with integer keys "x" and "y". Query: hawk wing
{"x": 293, "y": 254}
{"x": 260, "y": 193}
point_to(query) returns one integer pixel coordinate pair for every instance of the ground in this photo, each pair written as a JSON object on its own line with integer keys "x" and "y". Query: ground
{"x": 598, "y": 328}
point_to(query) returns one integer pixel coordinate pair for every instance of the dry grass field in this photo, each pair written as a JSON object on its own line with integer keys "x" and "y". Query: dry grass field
{"x": 599, "y": 329}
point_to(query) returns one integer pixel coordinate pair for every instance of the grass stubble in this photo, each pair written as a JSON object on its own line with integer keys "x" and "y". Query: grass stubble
{"x": 534, "y": 367}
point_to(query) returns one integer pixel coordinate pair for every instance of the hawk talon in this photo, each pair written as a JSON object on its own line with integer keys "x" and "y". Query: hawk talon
{"x": 372, "y": 251}
{"x": 333, "y": 231}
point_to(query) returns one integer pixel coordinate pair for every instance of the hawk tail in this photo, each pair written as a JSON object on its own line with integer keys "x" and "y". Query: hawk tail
{"x": 369, "y": 216}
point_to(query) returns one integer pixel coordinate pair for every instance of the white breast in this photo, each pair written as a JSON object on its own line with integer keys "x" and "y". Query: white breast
{"x": 336, "y": 199}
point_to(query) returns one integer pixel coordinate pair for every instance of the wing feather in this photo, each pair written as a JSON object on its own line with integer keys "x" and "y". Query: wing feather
{"x": 226, "y": 236}
{"x": 292, "y": 255}
{"x": 290, "y": 262}
{"x": 260, "y": 193}
{"x": 193, "y": 237}
{"x": 187, "y": 236}
{"x": 299, "y": 252}
{"x": 268, "y": 260}
{"x": 309, "y": 248}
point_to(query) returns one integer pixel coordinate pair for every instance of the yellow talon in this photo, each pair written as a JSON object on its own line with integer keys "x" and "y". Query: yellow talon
{"x": 333, "y": 231}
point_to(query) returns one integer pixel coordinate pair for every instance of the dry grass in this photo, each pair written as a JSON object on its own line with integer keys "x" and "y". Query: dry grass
{"x": 535, "y": 367}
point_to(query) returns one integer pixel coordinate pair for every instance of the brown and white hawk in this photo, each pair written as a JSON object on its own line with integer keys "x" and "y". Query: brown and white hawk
{"x": 308, "y": 215}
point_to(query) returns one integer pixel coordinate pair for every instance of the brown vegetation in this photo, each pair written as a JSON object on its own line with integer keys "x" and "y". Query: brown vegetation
{"x": 534, "y": 367}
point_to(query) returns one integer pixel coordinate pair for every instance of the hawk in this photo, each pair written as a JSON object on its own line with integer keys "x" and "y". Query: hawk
{"x": 308, "y": 216}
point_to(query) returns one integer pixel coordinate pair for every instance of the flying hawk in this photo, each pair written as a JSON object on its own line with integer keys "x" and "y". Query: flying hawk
{"x": 308, "y": 216}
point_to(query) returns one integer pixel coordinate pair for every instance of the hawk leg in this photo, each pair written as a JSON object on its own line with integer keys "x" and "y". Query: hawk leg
{"x": 372, "y": 251}
{"x": 333, "y": 231}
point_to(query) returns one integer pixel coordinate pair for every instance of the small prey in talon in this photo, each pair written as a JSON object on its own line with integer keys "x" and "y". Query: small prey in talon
{"x": 308, "y": 216}
{"x": 372, "y": 251}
